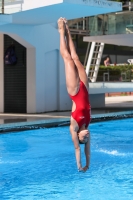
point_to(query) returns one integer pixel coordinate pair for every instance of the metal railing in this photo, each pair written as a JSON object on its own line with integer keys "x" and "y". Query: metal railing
{"x": 109, "y": 24}
{"x": 115, "y": 76}
{"x": 105, "y": 24}
{"x": 10, "y": 6}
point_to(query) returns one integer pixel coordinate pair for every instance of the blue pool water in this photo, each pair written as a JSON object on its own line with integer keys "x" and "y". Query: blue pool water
{"x": 40, "y": 164}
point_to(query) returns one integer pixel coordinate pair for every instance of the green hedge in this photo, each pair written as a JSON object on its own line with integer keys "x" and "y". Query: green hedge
{"x": 115, "y": 72}
{"x": 121, "y": 68}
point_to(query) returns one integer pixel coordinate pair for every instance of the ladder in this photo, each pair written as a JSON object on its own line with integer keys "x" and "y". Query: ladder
{"x": 94, "y": 59}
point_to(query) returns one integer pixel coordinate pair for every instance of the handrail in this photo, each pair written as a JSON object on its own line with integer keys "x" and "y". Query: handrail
{"x": 5, "y": 6}
{"x": 11, "y": 2}
{"x": 79, "y": 32}
{"x": 2, "y": 9}
{"x": 104, "y": 24}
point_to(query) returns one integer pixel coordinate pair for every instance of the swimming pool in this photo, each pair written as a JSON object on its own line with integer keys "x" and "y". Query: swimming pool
{"x": 40, "y": 164}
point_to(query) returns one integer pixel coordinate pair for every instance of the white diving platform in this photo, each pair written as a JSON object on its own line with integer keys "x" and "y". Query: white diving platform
{"x": 118, "y": 39}
{"x": 45, "y": 12}
{"x": 110, "y": 87}
{"x": 33, "y": 24}
{"x": 97, "y": 91}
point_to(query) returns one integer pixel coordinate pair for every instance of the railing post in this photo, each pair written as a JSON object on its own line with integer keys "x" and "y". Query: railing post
{"x": 2, "y": 6}
{"x": 104, "y": 74}
{"x": 83, "y": 23}
{"x": 130, "y": 6}
{"x": 123, "y": 75}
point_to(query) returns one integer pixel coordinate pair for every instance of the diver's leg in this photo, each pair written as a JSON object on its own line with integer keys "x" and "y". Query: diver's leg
{"x": 72, "y": 78}
{"x": 82, "y": 74}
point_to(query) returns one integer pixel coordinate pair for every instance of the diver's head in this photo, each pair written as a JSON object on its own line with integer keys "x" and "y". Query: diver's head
{"x": 83, "y": 136}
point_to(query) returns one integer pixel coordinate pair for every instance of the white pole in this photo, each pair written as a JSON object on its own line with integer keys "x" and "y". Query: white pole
{"x": 2, "y": 6}
{"x": 83, "y": 23}
{"x": 130, "y": 6}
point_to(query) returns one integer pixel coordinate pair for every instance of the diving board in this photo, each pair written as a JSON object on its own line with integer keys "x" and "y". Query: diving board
{"x": 45, "y": 12}
{"x": 34, "y": 25}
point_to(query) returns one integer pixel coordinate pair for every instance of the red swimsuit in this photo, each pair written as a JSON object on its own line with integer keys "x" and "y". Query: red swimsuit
{"x": 82, "y": 111}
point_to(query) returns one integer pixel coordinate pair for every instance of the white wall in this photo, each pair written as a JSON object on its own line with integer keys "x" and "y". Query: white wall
{"x": 46, "y": 88}
{"x": 31, "y": 79}
{"x": 51, "y": 87}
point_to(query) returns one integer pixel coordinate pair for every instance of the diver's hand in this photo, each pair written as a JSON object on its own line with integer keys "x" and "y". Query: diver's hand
{"x": 80, "y": 169}
{"x": 85, "y": 168}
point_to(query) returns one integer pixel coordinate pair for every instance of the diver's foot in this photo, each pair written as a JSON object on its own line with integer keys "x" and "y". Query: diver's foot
{"x": 61, "y": 25}
{"x": 66, "y": 24}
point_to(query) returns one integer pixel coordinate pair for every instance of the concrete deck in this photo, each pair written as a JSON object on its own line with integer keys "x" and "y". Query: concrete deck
{"x": 116, "y": 107}
{"x": 119, "y": 102}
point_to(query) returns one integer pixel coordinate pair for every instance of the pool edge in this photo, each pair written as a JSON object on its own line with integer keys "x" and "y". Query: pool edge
{"x": 47, "y": 123}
